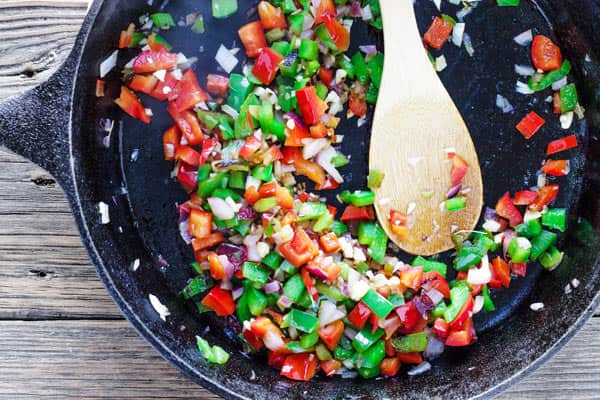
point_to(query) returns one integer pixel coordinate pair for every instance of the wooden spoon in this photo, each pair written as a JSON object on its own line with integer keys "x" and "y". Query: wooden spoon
{"x": 415, "y": 125}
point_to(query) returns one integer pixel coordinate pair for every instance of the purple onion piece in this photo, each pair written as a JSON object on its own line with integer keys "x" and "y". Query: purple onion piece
{"x": 246, "y": 213}
{"x": 423, "y": 304}
{"x": 434, "y": 348}
{"x": 284, "y": 302}
{"x": 296, "y": 118}
{"x": 489, "y": 214}
{"x": 273, "y": 287}
{"x": 184, "y": 231}
{"x": 420, "y": 369}
{"x": 454, "y": 191}
{"x": 237, "y": 255}
{"x": 237, "y": 292}
{"x": 355, "y": 10}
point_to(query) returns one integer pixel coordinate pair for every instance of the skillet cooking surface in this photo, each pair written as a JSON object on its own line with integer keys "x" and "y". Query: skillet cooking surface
{"x": 142, "y": 200}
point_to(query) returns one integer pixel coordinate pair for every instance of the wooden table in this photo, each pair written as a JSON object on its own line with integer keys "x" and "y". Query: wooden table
{"x": 61, "y": 336}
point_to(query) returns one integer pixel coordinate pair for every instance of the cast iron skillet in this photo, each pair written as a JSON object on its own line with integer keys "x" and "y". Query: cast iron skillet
{"x": 57, "y": 126}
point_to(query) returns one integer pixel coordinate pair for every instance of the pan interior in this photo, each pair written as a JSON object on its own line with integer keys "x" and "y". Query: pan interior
{"x": 131, "y": 176}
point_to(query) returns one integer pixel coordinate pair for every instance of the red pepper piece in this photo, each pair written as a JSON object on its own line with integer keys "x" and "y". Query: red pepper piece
{"x": 530, "y": 124}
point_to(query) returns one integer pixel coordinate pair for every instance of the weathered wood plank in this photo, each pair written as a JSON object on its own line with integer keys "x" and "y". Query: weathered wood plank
{"x": 83, "y": 360}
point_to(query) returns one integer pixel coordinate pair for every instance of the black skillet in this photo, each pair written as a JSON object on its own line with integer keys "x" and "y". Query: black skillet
{"x": 57, "y": 125}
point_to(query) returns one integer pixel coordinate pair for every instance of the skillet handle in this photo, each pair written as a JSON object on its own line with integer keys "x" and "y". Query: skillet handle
{"x": 36, "y": 124}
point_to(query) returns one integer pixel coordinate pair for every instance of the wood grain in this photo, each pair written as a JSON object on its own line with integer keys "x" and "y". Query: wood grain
{"x": 60, "y": 334}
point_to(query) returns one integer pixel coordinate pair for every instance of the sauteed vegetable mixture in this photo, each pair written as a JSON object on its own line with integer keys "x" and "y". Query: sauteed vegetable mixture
{"x": 311, "y": 283}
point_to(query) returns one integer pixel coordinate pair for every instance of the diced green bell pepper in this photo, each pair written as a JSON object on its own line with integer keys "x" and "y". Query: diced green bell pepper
{"x": 378, "y": 246}
{"x": 296, "y": 22}
{"x": 303, "y": 321}
{"x": 529, "y": 229}
{"x": 519, "y": 249}
{"x": 555, "y": 218}
{"x": 257, "y": 301}
{"x": 162, "y": 20}
{"x": 375, "y": 67}
{"x": 374, "y": 355}
{"x": 206, "y": 187}
{"x": 568, "y": 98}
{"x": 551, "y": 77}
{"x": 430, "y": 265}
{"x": 377, "y": 303}
{"x": 195, "y": 287}
{"x": 338, "y": 228}
{"x": 410, "y": 343}
{"x": 552, "y": 258}
{"x": 214, "y": 354}
{"x": 309, "y": 340}
{"x": 488, "y": 304}
{"x": 310, "y": 210}
{"x": 293, "y": 288}
{"x": 360, "y": 68}
{"x": 272, "y": 260}
{"x": 366, "y": 338}
{"x": 366, "y": 232}
{"x": 255, "y": 273}
{"x": 458, "y": 297}
{"x": 358, "y": 198}
{"x": 375, "y": 179}
{"x": 237, "y": 180}
{"x": 541, "y": 243}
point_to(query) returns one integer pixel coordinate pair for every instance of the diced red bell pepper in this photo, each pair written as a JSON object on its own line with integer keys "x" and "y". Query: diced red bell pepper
{"x": 126, "y": 37}
{"x": 463, "y": 315}
{"x": 318, "y": 131}
{"x": 329, "y": 243}
{"x": 266, "y": 66}
{"x": 310, "y": 285}
{"x": 519, "y": 269}
{"x": 220, "y": 301}
{"x": 130, "y": 103}
{"x": 434, "y": 280}
{"x": 329, "y": 184}
{"x": 409, "y": 315}
{"x": 188, "y": 92}
{"x": 501, "y": 272}
{"x": 268, "y": 189}
{"x": 207, "y": 242}
{"x": 208, "y": 146}
{"x": 326, "y": 75}
{"x": 352, "y": 213}
{"x": 556, "y": 167}
{"x": 143, "y": 83}
{"x": 331, "y": 367}
{"x": 217, "y": 85}
{"x": 326, "y": 7}
{"x": 269, "y": 333}
{"x": 188, "y": 124}
{"x": 310, "y": 104}
{"x": 187, "y": 177}
{"x": 171, "y": 140}
{"x": 438, "y": 33}
{"x": 300, "y": 367}
{"x": 311, "y": 170}
{"x": 525, "y": 197}
{"x": 253, "y": 38}
{"x": 284, "y": 198}
{"x": 338, "y": 32}
{"x": 358, "y": 105}
{"x": 100, "y": 87}
{"x": 506, "y": 209}
{"x": 397, "y": 218}
{"x": 257, "y": 344}
{"x": 566, "y": 143}
{"x": 331, "y": 334}
{"x": 188, "y": 155}
{"x": 250, "y": 146}
{"x": 556, "y": 103}
{"x": 155, "y": 44}
{"x": 217, "y": 270}
{"x": 324, "y": 268}
{"x": 271, "y": 17}
{"x": 200, "y": 223}
{"x": 390, "y": 366}
{"x": 545, "y": 54}
{"x": 295, "y": 135}
{"x": 276, "y": 359}
{"x": 270, "y": 155}
{"x": 412, "y": 278}
{"x": 251, "y": 195}
{"x": 291, "y": 252}
{"x": 530, "y": 124}
{"x": 459, "y": 169}
{"x": 390, "y": 351}
{"x": 410, "y": 358}
{"x": 461, "y": 338}
{"x": 440, "y": 326}
{"x": 290, "y": 154}
{"x": 152, "y": 61}
{"x": 545, "y": 196}
{"x": 359, "y": 315}
{"x": 165, "y": 90}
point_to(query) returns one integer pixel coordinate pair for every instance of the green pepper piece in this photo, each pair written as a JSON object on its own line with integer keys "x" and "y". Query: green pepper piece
{"x": 214, "y": 354}
{"x": 377, "y": 303}
{"x": 310, "y": 211}
{"x": 342, "y": 354}
{"x": 410, "y": 343}
{"x": 237, "y": 180}
{"x": 555, "y": 218}
{"x": 322, "y": 352}
{"x": 203, "y": 172}
{"x": 519, "y": 250}
{"x": 287, "y": 267}
{"x": 374, "y": 355}
{"x": 277, "y": 128}
{"x": 263, "y": 173}
{"x": 568, "y": 98}
{"x": 358, "y": 198}
{"x": 456, "y": 204}
{"x": 303, "y": 321}
{"x": 551, "y": 77}
{"x": 239, "y": 88}
{"x": 466, "y": 260}
{"x": 339, "y": 160}
{"x": 282, "y": 48}
{"x": 162, "y": 21}
{"x": 552, "y": 258}
{"x": 439, "y": 310}
{"x": 541, "y": 243}
{"x": 396, "y": 299}
{"x": 366, "y": 338}
{"x": 206, "y": 187}
{"x": 195, "y": 287}
{"x": 257, "y": 301}
{"x": 378, "y": 246}
{"x": 345, "y": 63}
{"x": 488, "y": 304}
{"x": 507, "y": 3}
{"x": 309, "y": 340}
{"x": 321, "y": 91}
{"x": 272, "y": 260}
{"x": 311, "y": 68}
{"x": 296, "y": 22}
{"x": 274, "y": 35}
{"x": 198, "y": 26}
{"x": 360, "y": 68}
{"x": 296, "y": 347}
{"x": 324, "y": 37}
{"x": 375, "y": 179}
{"x": 224, "y": 8}
{"x": 339, "y": 228}
{"x": 323, "y": 222}
{"x": 332, "y": 292}
{"x": 369, "y": 373}
{"x": 430, "y": 265}
{"x": 289, "y": 66}
{"x": 293, "y": 288}
{"x": 286, "y": 94}
{"x": 136, "y": 39}
{"x": 225, "y": 193}
{"x": 255, "y": 273}
{"x": 372, "y": 94}
{"x": 266, "y": 204}
{"x": 458, "y": 297}
{"x": 366, "y": 232}
{"x": 288, "y": 6}
{"x": 375, "y": 67}
{"x": 529, "y": 229}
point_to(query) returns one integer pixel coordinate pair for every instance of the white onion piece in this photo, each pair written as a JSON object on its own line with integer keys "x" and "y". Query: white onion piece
{"x": 250, "y": 242}
{"x": 108, "y": 64}
{"x": 227, "y": 266}
{"x": 457, "y": 34}
{"x": 434, "y": 348}
{"x": 523, "y": 88}
{"x": 159, "y": 307}
{"x": 481, "y": 275}
{"x": 438, "y": 4}
{"x": 329, "y": 313}
{"x": 523, "y": 39}
{"x": 237, "y": 292}
{"x": 440, "y": 63}
{"x": 220, "y": 208}
{"x": 503, "y": 104}
{"x": 524, "y": 70}
{"x": 559, "y": 84}
{"x": 461, "y": 14}
{"x": 312, "y": 147}
{"x": 226, "y": 59}
{"x": 308, "y": 22}
{"x": 566, "y": 120}
{"x": 468, "y": 44}
{"x": 491, "y": 225}
{"x": 366, "y": 13}
{"x": 324, "y": 160}
{"x": 420, "y": 369}
{"x": 478, "y": 304}
{"x": 435, "y": 295}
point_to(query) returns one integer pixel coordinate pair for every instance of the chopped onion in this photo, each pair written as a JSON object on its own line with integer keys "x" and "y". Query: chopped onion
{"x": 355, "y": 10}
{"x": 308, "y": 22}
{"x": 220, "y": 208}
{"x": 104, "y": 213}
{"x": 509, "y": 234}
{"x": 523, "y": 39}
{"x": 457, "y": 34}
{"x": 329, "y": 313}
{"x": 369, "y": 50}
{"x": 284, "y": 302}
{"x": 250, "y": 242}
{"x": 454, "y": 191}
{"x": 566, "y": 120}
{"x": 420, "y": 369}
{"x": 237, "y": 292}
{"x": 481, "y": 275}
{"x": 468, "y": 44}
{"x": 227, "y": 109}
{"x": 159, "y": 307}
{"x": 537, "y": 306}
{"x": 531, "y": 215}
{"x": 438, "y": 4}
{"x": 273, "y": 287}
{"x": 503, "y": 104}
{"x": 324, "y": 160}
{"x": 491, "y": 225}
{"x": 461, "y": 14}
{"x": 559, "y": 84}
{"x": 226, "y": 59}
{"x": 524, "y": 70}
{"x": 435, "y": 295}
{"x": 312, "y": 147}
{"x": 349, "y": 333}
{"x": 434, "y": 348}
{"x": 108, "y": 64}
{"x": 523, "y": 88}
{"x": 478, "y": 304}
{"x": 366, "y": 13}
{"x": 440, "y": 63}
